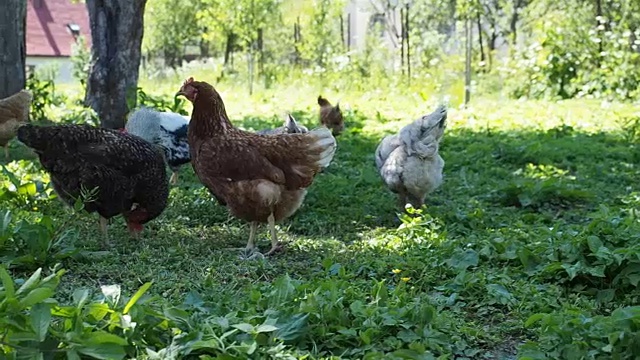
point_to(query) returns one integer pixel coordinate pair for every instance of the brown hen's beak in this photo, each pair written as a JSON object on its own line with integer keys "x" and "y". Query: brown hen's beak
{"x": 179, "y": 93}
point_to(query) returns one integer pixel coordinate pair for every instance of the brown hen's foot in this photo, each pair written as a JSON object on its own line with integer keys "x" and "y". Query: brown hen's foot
{"x": 250, "y": 252}
{"x": 275, "y": 248}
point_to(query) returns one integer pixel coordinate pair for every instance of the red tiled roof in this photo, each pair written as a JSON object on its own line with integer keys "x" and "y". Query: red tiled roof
{"x": 47, "y": 32}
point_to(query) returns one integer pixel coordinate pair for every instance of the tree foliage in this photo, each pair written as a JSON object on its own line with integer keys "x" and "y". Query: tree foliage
{"x": 568, "y": 48}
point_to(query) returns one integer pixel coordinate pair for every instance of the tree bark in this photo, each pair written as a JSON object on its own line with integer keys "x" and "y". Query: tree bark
{"x": 13, "y": 16}
{"x": 231, "y": 37}
{"x": 479, "y": 24}
{"x": 513, "y": 23}
{"x": 116, "y": 33}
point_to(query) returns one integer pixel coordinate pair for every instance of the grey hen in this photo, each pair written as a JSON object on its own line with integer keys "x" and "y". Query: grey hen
{"x": 409, "y": 163}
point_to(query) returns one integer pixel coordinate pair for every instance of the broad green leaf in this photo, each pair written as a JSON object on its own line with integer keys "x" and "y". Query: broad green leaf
{"x": 265, "y": 328}
{"x": 24, "y": 336}
{"x": 626, "y": 313}
{"x": 594, "y": 243}
{"x": 248, "y": 328}
{"x": 103, "y": 337}
{"x": 40, "y": 320}
{"x": 407, "y": 336}
{"x": 524, "y": 199}
{"x": 500, "y": 290}
{"x": 31, "y": 282}
{"x": 5, "y": 221}
{"x": 292, "y": 329}
{"x": 348, "y": 332}
{"x": 29, "y": 189}
{"x": 528, "y": 259}
{"x": 106, "y": 351}
{"x": 7, "y": 283}
{"x": 72, "y": 354}
{"x": 36, "y": 296}
{"x": 597, "y": 271}
{"x": 534, "y": 319}
{"x": 250, "y": 346}
{"x": 464, "y": 260}
{"x": 606, "y": 295}
{"x": 98, "y": 311}
{"x": 177, "y": 315}
{"x": 572, "y": 270}
{"x": 143, "y": 289}
{"x": 633, "y": 279}
{"x": 365, "y": 336}
{"x": 409, "y": 354}
{"x": 80, "y": 297}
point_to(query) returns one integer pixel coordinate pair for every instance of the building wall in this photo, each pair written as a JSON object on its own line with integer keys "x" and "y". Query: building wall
{"x": 361, "y": 11}
{"x": 59, "y": 68}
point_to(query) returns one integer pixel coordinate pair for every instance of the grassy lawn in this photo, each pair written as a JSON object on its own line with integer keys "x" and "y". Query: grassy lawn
{"x": 536, "y": 220}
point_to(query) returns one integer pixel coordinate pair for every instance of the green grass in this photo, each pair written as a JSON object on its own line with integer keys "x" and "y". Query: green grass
{"x": 537, "y": 215}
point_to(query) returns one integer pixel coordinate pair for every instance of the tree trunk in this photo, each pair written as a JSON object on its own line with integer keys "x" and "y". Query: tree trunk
{"x": 479, "y": 24}
{"x": 513, "y": 23}
{"x": 116, "y": 33}
{"x": 13, "y": 16}
{"x": 229, "y": 47}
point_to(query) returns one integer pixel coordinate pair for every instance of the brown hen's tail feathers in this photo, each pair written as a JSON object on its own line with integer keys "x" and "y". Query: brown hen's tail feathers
{"x": 326, "y": 142}
{"x": 323, "y": 102}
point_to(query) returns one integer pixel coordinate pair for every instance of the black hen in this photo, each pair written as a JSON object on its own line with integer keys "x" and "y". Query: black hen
{"x": 128, "y": 172}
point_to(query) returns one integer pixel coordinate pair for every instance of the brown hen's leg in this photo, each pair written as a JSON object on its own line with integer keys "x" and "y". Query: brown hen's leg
{"x": 174, "y": 178}
{"x": 103, "y": 230}
{"x": 252, "y": 236}
{"x": 6, "y": 151}
{"x": 275, "y": 244}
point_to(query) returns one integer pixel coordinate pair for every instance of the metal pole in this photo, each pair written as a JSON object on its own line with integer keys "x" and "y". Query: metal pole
{"x": 467, "y": 66}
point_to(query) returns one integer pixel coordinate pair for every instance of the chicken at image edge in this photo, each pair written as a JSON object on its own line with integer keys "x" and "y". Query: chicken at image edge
{"x": 129, "y": 172}
{"x": 14, "y": 111}
{"x": 259, "y": 178}
{"x": 409, "y": 162}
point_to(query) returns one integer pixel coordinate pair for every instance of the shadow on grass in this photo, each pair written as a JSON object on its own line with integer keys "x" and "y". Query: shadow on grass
{"x": 492, "y": 181}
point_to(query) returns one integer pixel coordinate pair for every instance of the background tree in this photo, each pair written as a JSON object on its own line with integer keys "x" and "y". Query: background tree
{"x": 116, "y": 33}
{"x": 13, "y": 15}
{"x": 174, "y": 25}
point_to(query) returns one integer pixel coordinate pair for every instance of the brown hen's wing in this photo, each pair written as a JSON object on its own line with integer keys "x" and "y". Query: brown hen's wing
{"x": 234, "y": 160}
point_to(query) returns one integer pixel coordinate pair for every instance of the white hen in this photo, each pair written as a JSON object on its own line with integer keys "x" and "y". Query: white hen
{"x": 409, "y": 163}
{"x": 166, "y": 130}
{"x": 290, "y": 127}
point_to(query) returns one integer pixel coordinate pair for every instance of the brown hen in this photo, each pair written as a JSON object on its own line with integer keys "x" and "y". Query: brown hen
{"x": 259, "y": 178}
{"x": 14, "y": 111}
{"x": 331, "y": 116}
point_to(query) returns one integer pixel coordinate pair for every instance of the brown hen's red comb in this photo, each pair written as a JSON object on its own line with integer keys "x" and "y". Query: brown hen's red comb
{"x": 189, "y": 80}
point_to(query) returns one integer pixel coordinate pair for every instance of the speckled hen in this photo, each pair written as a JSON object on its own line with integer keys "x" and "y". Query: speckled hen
{"x": 128, "y": 172}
